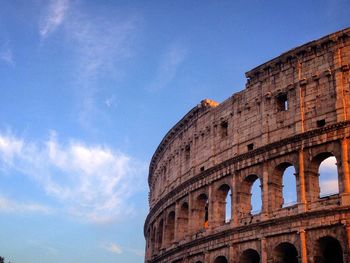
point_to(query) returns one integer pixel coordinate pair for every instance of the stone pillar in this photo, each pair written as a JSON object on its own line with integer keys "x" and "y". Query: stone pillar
{"x": 190, "y": 214}
{"x": 345, "y": 196}
{"x": 177, "y": 214}
{"x": 302, "y": 190}
{"x": 211, "y": 207}
{"x": 348, "y": 236}
{"x": 263, "y": 250}
{"x": 234, "y": 201}
{"x": 265, "y": 191}
{"x": 303, "y": 250}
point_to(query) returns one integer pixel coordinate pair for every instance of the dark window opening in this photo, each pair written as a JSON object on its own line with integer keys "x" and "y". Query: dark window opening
{"x": 224, "y": 126}
{"x": 202, "y": 169}
{"x": 321, "y": 123}
{"x": 250, "y": 146}
{"x": 282, "y": 102}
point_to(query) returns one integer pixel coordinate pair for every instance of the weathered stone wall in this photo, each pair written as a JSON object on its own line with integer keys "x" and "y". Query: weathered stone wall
{"x": 295, "y": 112}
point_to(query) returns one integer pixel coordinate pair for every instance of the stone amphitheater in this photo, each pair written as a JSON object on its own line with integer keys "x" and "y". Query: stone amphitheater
{"x": 293, "y": 113}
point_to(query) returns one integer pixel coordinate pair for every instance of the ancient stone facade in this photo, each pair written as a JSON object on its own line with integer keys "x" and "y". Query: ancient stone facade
{"x": 294, "y": 112}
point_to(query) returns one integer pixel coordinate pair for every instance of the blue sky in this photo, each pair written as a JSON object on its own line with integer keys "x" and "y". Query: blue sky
{"x": 88, "y": 90}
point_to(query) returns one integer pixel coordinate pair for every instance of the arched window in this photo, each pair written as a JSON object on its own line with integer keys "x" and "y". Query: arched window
{"x": 328, "y": 177}
{"x": 250, "y": 201}
{"x": 228, "y": 208}
{"x": 182, "y": 225}
{"x": 328, "y": 250}
{"x": 170, "y": 227}
{"x": 201, "y": 212}
{"x": 283, "y": 190}
{"x": 222, "y": 205}
{"x": 289, "y": 185}
{"x": 221, "y": 259}
{"x": 256, "y": 203}
{"x": 249, "y": 256}
{"x": 285, "y": 252}
{"x": 160, "y": 234}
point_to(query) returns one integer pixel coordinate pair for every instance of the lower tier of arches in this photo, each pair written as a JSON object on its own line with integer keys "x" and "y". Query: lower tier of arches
{"x": 322, "y": 237}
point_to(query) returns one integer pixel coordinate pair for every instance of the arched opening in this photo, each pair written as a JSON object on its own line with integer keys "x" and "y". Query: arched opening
{"x": 222, "y": 205}
{"x": 250, "y": 195}
{"x": 322, "y": 177}
{"x": 160, "y": 234}
{"x": 328, "y": 177}
{"x": 182, "y": 225}
{"x": 329, "y": 251}
{"x": 221, "y": 259}
{"x": 170, "y": 227}
{"x": 153, "y": 241}
{"x": 283, "y": 189}
{"x": 249, "y": 256}
{"x": 289, "y": 185}
{"x": 285, "y": 253}
{"x": 228, "y": 207}
{"x": 256, "y": 202}
{"x": 200, "y": 212}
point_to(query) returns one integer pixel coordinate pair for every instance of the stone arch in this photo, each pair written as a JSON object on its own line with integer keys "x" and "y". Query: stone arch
{"x": 220, "y": 259}
{"x": 170, "y": 228}
{"x": 285, "y": 253}
{"x": 222, "y": 199}
{"x": 245, "y": 194}
{"x": 153, "y": 240}
{"x": 201, "y": 212}
{"x": 159, "y": 237}
{"x": 277, "y": 195}
{"x": 249, "y": 256}
{"x": 328, "y": 250}
{"x": 313, "y": 183}
{"x": 182, "y": 221}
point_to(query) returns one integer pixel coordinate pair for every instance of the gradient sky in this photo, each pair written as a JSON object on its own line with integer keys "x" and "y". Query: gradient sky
{"x": 89, "y": 88}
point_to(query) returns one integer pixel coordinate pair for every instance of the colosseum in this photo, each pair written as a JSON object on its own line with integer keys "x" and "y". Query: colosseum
{"x": 294, "y": 113}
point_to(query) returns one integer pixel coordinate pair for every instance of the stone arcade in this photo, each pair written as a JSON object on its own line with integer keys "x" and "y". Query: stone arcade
{"x": 294, "y": 112}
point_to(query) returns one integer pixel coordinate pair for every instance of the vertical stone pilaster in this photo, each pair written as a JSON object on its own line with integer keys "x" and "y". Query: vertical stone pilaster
{"x": 176, "y": 228}
{"x": 302, "y": 190}
{"x": 345, "y": 195}
{"x": 190, "y": 214}
{"x": 303, "y": 250}
{"x": 265, "y": 190}
{"x": 211, "y": 207}
{"x": 263, "y": 250}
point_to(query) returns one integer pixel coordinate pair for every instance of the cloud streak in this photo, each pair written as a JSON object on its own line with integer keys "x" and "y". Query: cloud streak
{"x": 53, "y": 17}
{"x": 91, "y": 182}
{"x": 12, "y": 206}
{"x": 168, "y": 66}
{"x": 113, "y": 248}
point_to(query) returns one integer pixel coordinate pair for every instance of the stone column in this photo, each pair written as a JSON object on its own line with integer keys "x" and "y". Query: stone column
{"x": 234, "y": 201}
{"x": 303, "y": 250}
{"x": 302, "y": 190}
{"x": 211, "y": 208}
{"x": 177, "y": 214}
{"x": 263, "y": 250}
{"x": 190, "y": 214}
{"x": 345, "y": 196}
{"x": 265, "y": 190}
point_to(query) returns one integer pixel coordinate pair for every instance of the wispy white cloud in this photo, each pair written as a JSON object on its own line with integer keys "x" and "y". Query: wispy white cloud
{"x": 92, "y": 182}
{"x": 53, "y": 17}
{"x": 6, "y": 56}
{"x": 112, "y": 247}
{"x": 102, "y": 48}
{"x": 168, "y": 66}
{"x": 12, "y": 206}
